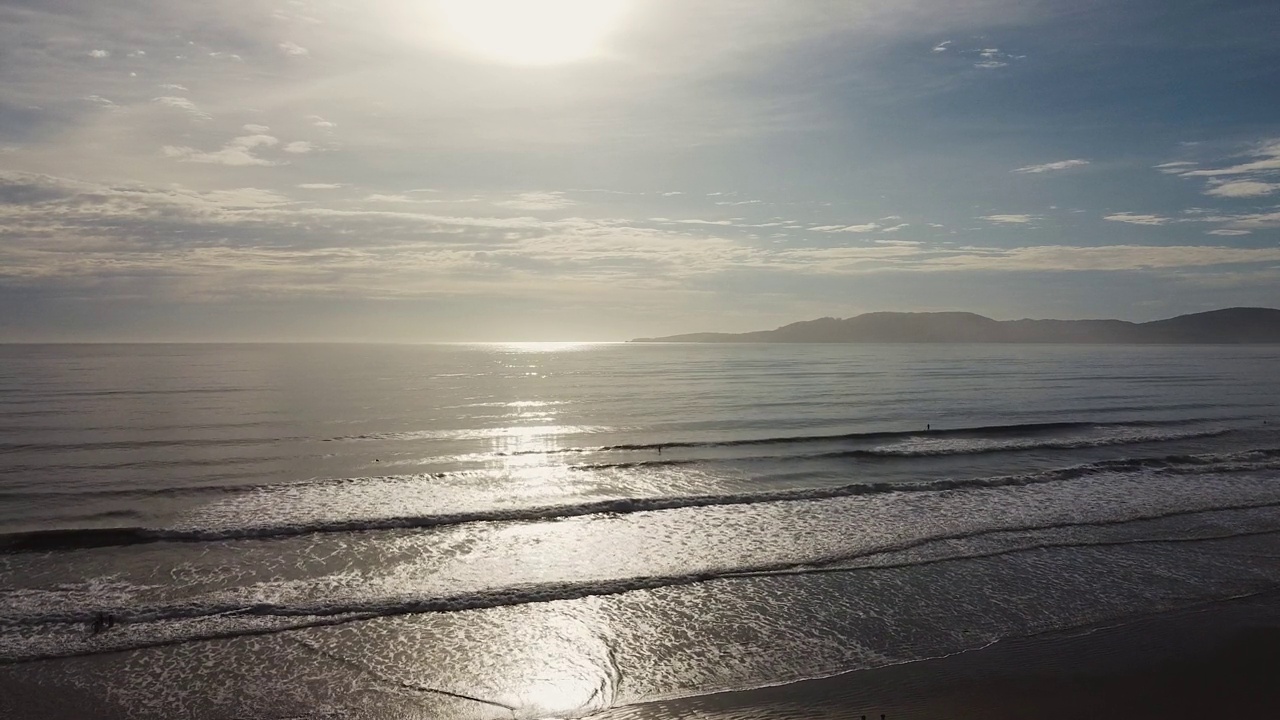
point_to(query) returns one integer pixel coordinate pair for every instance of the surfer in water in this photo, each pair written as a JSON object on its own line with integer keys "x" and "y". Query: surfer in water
{"x": 103, "y": 622}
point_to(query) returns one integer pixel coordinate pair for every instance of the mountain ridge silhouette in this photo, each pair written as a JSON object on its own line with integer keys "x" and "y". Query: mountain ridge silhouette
{"x": 1236, "y": 325}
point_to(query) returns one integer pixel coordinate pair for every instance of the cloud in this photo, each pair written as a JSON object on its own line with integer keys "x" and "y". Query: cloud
{"x": 176, "y": 243}
{"x": 864, "y": 228}
{"x": 99, "y": 54}
{"x": 1242, "y": 180}
{"x": 537, "y": 201}
{"x": 1242, "y": 188}
{"x": 299, "y": 147}
{"x": 238, "y": 152}
{"x": 256, "y": 129}
{"x": 321, "y": 186}
{"x": 1010, "y": 219}
{"x": 1243, "y": 221}
{"x": 183, "y": 104}
{"x": 895, "y": 228}
{"x": 320, "y": 122}
{"x": 1135, "y": 219}
{"x": 992, "y": 58}
{"x": 1269, "y": 152}
{"x": 1227, "y": 232}
{"x": 1050, "y": 167}
{"x": 1105, "y": 257}
{"x": 942, "y": 46}
{"x": 292, "y": 49}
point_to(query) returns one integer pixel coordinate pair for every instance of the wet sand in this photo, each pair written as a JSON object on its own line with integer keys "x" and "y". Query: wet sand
{"x": 1218, "y": 661}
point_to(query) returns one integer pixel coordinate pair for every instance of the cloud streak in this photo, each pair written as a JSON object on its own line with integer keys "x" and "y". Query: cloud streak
{"x": 238, "y": 152}
{"x": 1051, "y": 167}
{"x": 1137, "y": 219}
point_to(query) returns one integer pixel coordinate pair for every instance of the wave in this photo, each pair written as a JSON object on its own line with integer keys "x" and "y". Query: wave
{"x": 219, "y": 489}
{"x": 979, "y": 432}
{"x": 144, "y": 444}
{"x": 926, "y": 448}
{"x": 270, "y": 617}
{"x": 479, "y": 433}
{"x": 87, "y": 538}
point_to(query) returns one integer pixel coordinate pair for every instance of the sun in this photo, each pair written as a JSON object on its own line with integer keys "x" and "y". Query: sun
{"x": 531, "y": 32}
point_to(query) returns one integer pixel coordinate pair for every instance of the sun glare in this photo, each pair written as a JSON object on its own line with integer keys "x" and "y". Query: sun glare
{"x": 531, "y": 32}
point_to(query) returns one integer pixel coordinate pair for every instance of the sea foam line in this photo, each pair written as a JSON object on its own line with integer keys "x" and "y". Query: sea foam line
{"x": 84, "y": 538}
{"x": 266, "y": 618}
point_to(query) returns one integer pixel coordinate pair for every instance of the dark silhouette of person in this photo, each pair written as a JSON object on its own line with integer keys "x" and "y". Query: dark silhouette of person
{"x": 103, "y": 621}
{"x": 927, "y": 427}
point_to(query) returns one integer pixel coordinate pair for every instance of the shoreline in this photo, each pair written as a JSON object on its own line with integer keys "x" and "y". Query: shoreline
{"x": 1214, "y": 660}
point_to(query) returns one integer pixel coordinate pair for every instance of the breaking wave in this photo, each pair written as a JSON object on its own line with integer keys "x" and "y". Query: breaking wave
{"x": 83, "y": 538}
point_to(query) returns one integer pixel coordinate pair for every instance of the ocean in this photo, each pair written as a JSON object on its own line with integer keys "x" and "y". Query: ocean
{"x": 553, "y": 530}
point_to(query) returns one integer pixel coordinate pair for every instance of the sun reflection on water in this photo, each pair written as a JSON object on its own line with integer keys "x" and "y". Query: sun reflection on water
{"x": 545, "y": 347}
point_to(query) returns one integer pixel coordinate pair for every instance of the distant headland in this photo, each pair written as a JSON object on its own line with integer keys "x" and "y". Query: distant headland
{"x": 1229, "y": 326}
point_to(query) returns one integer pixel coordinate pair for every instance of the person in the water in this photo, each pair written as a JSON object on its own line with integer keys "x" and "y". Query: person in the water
{"x": 103, "y": 621}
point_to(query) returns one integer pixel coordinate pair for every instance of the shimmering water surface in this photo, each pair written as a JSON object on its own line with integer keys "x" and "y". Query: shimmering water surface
{"x": 552, "y": 530}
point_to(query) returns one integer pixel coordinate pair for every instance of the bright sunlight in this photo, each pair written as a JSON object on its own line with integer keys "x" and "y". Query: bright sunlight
{"x": 531, "y": 32}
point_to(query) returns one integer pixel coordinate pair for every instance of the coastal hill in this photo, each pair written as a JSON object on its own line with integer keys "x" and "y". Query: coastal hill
{"x": 1229, "y": 326}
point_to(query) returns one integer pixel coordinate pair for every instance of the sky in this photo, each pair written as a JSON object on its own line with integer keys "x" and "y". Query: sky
{"x": 488, "y": 170}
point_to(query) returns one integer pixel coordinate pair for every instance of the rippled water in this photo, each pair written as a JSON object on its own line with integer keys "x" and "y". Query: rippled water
{"x": 481, "y": 531}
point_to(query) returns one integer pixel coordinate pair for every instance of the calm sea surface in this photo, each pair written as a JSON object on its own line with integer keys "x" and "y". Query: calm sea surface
{"x": 538, "y": 530}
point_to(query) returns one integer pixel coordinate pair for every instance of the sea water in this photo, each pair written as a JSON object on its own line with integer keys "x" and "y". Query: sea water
{"x": 475, "y": 531}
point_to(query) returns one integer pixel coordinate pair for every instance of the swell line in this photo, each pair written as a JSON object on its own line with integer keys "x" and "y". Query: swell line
{"x": 570, "y": 590}
{"x": 892, "y": 452}
{"x": 982, "y": 431}
{"x": 88, "y": 538}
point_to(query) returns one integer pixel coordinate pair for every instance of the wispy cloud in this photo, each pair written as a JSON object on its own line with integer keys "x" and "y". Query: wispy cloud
{"x": 1268, "y": 152}
{"x": 321, "y": 186}
{"x": 293, "y": 49}
{"x": 1010, "y": 219}
{"x": 864, "y": 228}
{"x": 537, "y": 201}
{"x": 237, "y": 152}
{"x": 1051, "y": 167}
{"x": 991, "y": 58}
{"x": 1107, "y": 257}
{"x": 226, "y": 244}
{"x": 1137, "y": 219}
{"x": 1256, "y": 178}
{"x": 1242, "y": 188}
{"x": 183, "y": 104}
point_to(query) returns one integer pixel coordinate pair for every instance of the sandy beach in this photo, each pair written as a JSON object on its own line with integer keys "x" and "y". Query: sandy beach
{"x": 1217, "y": 661}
